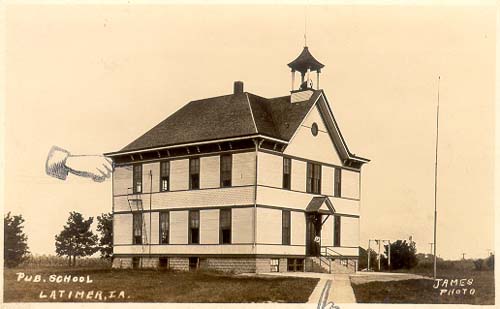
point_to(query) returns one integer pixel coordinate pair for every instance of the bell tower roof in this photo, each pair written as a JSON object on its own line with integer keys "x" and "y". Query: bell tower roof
{"x": 305, "y": 61}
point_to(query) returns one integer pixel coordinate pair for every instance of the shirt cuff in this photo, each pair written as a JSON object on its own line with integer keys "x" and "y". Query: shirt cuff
{"x": 55, "y": 165}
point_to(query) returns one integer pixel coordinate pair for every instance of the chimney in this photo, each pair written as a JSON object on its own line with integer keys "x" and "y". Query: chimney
{"x": 238, "y": 87}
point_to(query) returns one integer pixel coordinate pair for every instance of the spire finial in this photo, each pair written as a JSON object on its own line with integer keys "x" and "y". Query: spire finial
{"x": 305, "y": 25}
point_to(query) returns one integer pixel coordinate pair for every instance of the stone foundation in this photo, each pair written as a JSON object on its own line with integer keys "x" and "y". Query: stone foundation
{"x": 228, "y": 264}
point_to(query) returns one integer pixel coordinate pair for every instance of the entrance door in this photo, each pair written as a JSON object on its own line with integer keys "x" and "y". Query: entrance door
{"x": 313, "y": 234}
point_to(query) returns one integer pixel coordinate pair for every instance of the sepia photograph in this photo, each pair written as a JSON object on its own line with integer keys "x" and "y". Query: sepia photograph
{"x": 306, "y": 154}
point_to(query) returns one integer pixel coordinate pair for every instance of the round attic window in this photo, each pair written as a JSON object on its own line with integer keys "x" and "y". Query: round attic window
{"x": 314, "y": 129}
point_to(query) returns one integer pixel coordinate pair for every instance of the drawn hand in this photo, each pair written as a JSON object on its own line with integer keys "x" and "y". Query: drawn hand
{"x": 96, "y": 167}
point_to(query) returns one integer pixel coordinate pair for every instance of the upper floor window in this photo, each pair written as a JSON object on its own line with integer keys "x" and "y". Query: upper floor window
{"x": 164, "y": 227}
{"x": 164, "y": 176}
{"x": 137, "y": 178}
{"x": 225, "y": 226}
{"x": 313, "y": 178}
{"x": 287, "y": 173}
{"x": 336, "y": 231}
{"x": 226, "y": 164}
{"x": 337, "y": 185}
{"x": 285, "y": 227}
{"x": 194, "y": 173}
{"x": 194, "y": 226}
{"x": 137, "y": 228}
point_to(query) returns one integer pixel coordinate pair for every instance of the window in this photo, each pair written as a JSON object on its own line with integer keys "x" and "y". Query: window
{"x": 295, "y": 264}
{"x": 313, "y": 178}
{"x": 164, "y": 176}
{"x": 336, "y": 231}
{"x": 314, "y": 129}
{"x": 287, "y": 173}
{"x": 163, "y": 262}
{"x": 337, "y": 182}
{"x": 194, "y": 173}
{"x": 135, "y": 262}
{"x": 225, "y": 226}
{"x": 137, "y": 228}
{"x": 275, "y": 265}
{"x": 226, "y": 162}
{"x": 285, "y": 227}
{"x": 137, "y": 178}
{"x": 164, "y": 227}
{"x": 194, "y": 226}
{"x": 193, "y": 263}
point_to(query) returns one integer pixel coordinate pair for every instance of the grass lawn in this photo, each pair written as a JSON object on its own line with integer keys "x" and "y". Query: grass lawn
{"x": 421, "y": 291}
{"x": 155, "y": 286}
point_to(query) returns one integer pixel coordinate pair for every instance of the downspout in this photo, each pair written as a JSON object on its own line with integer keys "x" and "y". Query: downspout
{"x": 150, "y": 213}
{"x": 257, "y": 146}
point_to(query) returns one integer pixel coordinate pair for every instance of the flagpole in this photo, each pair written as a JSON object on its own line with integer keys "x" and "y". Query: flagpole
{"x": 435, "y": 180}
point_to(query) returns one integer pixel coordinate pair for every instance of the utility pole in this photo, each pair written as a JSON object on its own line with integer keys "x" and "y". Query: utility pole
{"x": 389, "y": 255}
{"x": 369, "y": 253}
{"x": 379, "y": 241}
{"x": 435, "y": 180}
{"x": 463, "y": 256}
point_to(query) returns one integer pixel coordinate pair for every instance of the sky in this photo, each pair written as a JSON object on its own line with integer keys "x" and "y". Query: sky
{"x": 92, "y": 78}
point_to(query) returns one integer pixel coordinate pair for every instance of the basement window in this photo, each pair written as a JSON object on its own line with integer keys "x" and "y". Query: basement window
{"x": 193, "y": 263}
{"x": 295, "y": 264}
{"x": 163, "y": 262}
{"x": 135, "y": 262}
{"x": 275, "y": 265}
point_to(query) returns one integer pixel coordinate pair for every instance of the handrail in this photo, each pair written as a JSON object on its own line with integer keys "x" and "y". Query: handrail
{"x": 337, "y": 254}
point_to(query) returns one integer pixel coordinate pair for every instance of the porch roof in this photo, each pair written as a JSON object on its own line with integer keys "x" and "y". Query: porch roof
{"x": 318, "y": 201}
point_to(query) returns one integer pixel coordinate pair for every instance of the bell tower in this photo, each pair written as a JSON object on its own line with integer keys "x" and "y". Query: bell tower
{"x": 305, "y": 63}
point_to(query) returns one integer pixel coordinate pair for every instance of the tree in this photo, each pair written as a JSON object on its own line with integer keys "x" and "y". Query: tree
{"x": 76, "y": 239}
{"x": 105, "y": 228}
{"x": 403, "y": 254}
{"x": 490, "y": 262}
{"x": 363, "y": 259}
{"x": 15, "y": 249}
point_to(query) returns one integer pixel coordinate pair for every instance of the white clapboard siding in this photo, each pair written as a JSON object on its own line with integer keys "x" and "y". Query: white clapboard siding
{"x": 298, "y": 225}
{"x": 209, "y": 226}
{"x": 317, "y": 148}
{"x": 243, "y": 172}
{"x": 122, "y": 229}
{"x": 269, "y": 226}
{"x": 299, "y": 175}
{"x": 270, "y": 171}
{"x": 242, "y": 225}
{"x": 179, "y": 174}
{"x": 195, "y": 198}
{"x": 210, "y": 172}
{"x": 122, "y": 179}
{"x": 327, "y": 232}
{"x": 179, "y": 227}
{"x": 349, "y": 232}
{"x": 155, "y": 228}
{"x": 299, "y": 200}
{"x": 327, "y": 180}
{"x": 350, "y": 184}
{"x": 187, "y": 249}
{"x": 146, "y": 178}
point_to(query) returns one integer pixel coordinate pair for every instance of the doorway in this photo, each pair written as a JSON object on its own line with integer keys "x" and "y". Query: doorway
{"x": 313, "y": 234}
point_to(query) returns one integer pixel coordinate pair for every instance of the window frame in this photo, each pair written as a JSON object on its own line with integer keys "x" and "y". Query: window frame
{"x": 167, "y": 214}
{"x": 162, "y": 175}
{"x": 313, "y": 178}
{"x": 141, "y": 222}
{"x": 337, "y": 230}
{"x": 191, "y": 174}
{"x": 137, "y": 177}
{"x": 190, "y": 228}
{"x": 287, "y": 181}
{"x": 337, "y": 182}
{"x": 274, "y": 268}
{"x": 229, "y": 172}
{"x": 286, "y": 218}
{"x": 222, "y": 228}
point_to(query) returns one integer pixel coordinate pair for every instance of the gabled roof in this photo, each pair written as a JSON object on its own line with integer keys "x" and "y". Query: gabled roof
{"x": 318, "y": 201}
{"x": 235, "y": 115}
